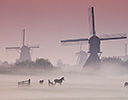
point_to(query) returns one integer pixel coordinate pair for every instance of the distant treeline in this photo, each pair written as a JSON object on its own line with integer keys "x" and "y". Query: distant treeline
{"x": 39, "y": 62}
{"x": 46, "y": 64}
{"x": 114, "y": 60}
{"x": 40, "y": 65}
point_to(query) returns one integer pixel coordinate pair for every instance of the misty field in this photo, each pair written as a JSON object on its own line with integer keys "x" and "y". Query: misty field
{"x": 78, "y": 85}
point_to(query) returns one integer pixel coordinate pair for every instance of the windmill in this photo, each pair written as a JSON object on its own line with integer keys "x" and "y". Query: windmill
{"x": 24, "y": 50}
{"x": 94, "y": 44}
{"x": 125, "y": 57}
{"x": 82, "y": 56}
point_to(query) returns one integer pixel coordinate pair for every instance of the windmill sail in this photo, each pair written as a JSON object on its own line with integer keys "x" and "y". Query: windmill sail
{"x": 74, "y": 40}
{"x": 13, "y": 48}
{"x": 125, "y": 49}
{"x": 90, "y": 21}
{"x": 82, "y": 56}
{"x": 23, "y": 37}
{"x": 34, "y": 47}
{"x": 93, "y": 21}
{"x": 114, "y": 38}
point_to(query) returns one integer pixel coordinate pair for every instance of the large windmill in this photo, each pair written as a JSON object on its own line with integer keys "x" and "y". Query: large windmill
{"x": 24, "y": 50}
{"x": 94, "y": 43}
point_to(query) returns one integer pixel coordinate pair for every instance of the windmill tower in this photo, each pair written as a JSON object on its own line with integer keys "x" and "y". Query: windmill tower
{"x": 24, "y": 50}
{"x": 94, "y": 44}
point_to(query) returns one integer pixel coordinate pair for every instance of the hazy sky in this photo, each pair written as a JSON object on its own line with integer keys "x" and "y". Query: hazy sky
{"x": 48, "y": 21}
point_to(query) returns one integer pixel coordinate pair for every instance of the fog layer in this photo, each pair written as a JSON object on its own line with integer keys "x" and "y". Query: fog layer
{"x": 103, "y": 83}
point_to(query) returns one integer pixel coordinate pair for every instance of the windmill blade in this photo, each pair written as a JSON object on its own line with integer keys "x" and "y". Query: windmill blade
{"x": 93, "y": 21}
{"x": 78, "y": 54}
{"x": 113, "y": 35}
{"x": 34, "y": 47}
{"x": 78, "y": 59}
{"x": 13, "y": 48}
{"x": 74, "y": 40}
{"x": 114, "y": 38}
{"x": 80, "y": 46}
{"x": 125, "y": 49}
{"x": 90, "y": 21}
{"x": 23, "y": 37}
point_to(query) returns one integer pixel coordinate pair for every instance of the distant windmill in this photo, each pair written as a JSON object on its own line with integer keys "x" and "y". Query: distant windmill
{"x": 82, "y": 56}
{"x": 125, "y": 57}
{"x": 24, "y": 50}
{"x": 94, "y": 44}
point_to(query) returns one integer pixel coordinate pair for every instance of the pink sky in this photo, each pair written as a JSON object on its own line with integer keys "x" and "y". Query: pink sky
{"x": 48, "y": 21}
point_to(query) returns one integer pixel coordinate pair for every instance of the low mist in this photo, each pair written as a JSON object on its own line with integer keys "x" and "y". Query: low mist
{"x": 105, "y": 82}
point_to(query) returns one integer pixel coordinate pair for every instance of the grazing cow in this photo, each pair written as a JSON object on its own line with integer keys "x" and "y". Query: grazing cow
{"x": 50, "y": 83}
{"x": 125, "y": 84}
{"x": 59, "y": 80}
{"x": 41, "y": 81}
